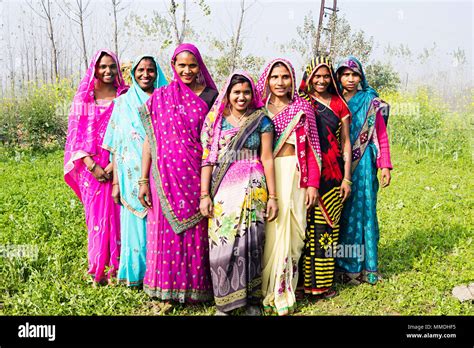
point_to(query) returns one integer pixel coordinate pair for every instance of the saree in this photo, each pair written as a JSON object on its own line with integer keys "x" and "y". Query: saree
{"x": 370, "y": 151}
{"x": 124, "y": 139}
{"x": 284, "y": 237}
{"x": 87, "y": 125}
{"x": 322, "y": 230}
{"x": 239, "y": 194}
{"x": 177, "y": 257}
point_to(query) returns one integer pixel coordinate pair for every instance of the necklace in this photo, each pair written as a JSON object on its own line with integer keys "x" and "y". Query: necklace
{"x": 238, "y": 118}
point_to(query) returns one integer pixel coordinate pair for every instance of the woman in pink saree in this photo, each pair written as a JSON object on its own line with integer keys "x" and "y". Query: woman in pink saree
{"x": 87, "y": 169}
{"x": 177, "y": 261}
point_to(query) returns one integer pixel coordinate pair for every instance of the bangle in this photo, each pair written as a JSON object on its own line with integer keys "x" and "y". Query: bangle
{"x": 91, "y": 168}
{"x": 348, "y": 181}
{"x": 115, "y": 183}
{"x": 273, "y": 197}
{"x": 203, "y": 196}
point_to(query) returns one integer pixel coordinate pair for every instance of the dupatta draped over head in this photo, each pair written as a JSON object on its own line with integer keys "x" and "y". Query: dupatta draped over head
{"x": 85, "y": 131}
{"x": 329, "y": 121}
{"x": 125, "y": 135}
{"x": 367, "y": 106}
{"x": 211, "y": 131}
{"x": 299, "y": 116}
{"x": 213, "y": 123}
{"x": 173, "y": 117}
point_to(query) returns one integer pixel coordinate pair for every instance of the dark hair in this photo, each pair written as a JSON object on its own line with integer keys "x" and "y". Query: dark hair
{"x": 150, "y": 59}
{"x": 102, "y": 55}
{"x": 236, "y": 79}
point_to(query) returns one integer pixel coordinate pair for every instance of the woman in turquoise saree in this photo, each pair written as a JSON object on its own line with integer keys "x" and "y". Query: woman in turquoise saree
{"x": 124, "y": 139}
{"x": 370, "y": 152}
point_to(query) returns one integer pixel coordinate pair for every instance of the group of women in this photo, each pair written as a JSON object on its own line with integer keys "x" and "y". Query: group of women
{"x": 233, "y": 196}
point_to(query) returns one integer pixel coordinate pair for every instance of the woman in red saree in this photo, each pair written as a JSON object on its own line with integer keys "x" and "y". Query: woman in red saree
{"x": 333, "y": 120}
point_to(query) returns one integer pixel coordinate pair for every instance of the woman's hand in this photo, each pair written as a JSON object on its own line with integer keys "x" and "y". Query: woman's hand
{"x": 109, "y": 169}
{"x": 385, "y": 178}
{"x": 205, "y": 207}
{"x": 116, "y": 193}
{"x": 144, "y": 196}
{"x": 311, "y": 197}
{"x": 99, "y": 174}
{"x": 272, "y": 210}
{"x": 345, "y": 191}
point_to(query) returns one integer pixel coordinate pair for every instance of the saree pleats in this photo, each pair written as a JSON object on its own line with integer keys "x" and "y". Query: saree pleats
{"x": 236, "y": 236}
{"x": 284, "y": 240}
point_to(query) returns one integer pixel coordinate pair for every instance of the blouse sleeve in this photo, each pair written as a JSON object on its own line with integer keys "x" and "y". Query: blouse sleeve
{"x": 383, "y": 161}
{"x": 266, "y": 125}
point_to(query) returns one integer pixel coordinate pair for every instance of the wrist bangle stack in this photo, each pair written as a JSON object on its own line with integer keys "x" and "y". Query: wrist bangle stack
{"x": 348, "y": 181}
{"x": 201, "y": 197}
{"x": 273, "y": 197}
{"x": 91, "y": 168}
{"x": 143, "y": 181}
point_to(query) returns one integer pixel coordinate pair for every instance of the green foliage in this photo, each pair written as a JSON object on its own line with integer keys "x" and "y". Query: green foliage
{"x": 382, "y": 77}
{"x": 38, "y": 119}
{"x": 422, "y": 123}
{"x": 346, "y": 41}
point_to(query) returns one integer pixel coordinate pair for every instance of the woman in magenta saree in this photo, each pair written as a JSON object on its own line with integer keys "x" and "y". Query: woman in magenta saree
{"x": 177, "y": 258}
{"x": 86, "y": 164}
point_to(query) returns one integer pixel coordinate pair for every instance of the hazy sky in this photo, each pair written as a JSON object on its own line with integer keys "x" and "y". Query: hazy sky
{"x": 417, "y": 24}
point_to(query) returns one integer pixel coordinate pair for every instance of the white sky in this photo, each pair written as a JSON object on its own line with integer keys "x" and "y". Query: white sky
{"x": 417, "y": 24}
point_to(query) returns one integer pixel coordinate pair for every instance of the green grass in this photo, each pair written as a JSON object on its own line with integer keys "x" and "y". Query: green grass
{"x": 426, "y": 246}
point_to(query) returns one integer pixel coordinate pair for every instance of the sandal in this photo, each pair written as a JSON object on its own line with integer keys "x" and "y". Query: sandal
{"x": 326, "y": 295}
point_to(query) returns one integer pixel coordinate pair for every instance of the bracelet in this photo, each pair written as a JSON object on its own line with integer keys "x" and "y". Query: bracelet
{"x": 203, "y": 196}
{"x": 115, "y": 183}
{"x": 92, "y": 167}
{"x": 348, "y": 181}
{"x": 273, "y": 197}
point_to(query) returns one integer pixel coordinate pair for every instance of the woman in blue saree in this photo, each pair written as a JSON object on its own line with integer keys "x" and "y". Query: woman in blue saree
{"x": 370, "y": 152}
{"x": 124, "y": 139}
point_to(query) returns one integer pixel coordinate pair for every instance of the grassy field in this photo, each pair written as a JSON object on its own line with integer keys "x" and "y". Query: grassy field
{"x": 426, "y": 247}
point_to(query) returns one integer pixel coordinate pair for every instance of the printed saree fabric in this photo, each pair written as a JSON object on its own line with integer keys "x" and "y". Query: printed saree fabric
{"x": 322, "y": 231}
{"x": 88, "y": 122}
{"x": 284, "y": 237}
{"x": 359, "y": 224}
{"x": 177, "y": 245}
{"x": 239, "y": 192}
{"x": 124, "y": 138}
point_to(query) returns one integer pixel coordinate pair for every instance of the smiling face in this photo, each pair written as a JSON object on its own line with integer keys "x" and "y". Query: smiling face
{"x": 240, "y": 97}
{"x": 187, "y": 67}
{"x": 321, "y": 80}
{"x": 106, "y": 69}
{"x": 145, "y": 74}
{"x": 279, "y": 81}
{"x": 349, "y": 79}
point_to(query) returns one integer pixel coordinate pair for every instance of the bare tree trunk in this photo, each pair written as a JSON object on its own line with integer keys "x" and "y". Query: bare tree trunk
{"x": 81, "y": 11}
{"x": 236, "y": 39}
{"x": 179, "y": 36}
{"x": 115, "y": 5}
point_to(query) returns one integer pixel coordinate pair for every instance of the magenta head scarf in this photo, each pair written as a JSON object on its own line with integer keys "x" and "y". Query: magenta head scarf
{"x": 206, "y": 77}
{"x": 286, "y": 120}
{"x": 173, "y": 117}
{"x": 83, "y": 137}
{"x": 213, "y": 124}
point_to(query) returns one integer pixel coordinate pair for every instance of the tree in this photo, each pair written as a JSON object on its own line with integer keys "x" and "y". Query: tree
{"x": 115, "y": 10}
{"x": 78, "y": 13}
{"x": 382, "y": 77}
{"x": 230, "y": 52}
{"x": 46, "y": 13}
{"x": 345, "y": 40}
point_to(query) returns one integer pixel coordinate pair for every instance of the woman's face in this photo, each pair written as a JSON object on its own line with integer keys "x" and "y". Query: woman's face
{"x": 349, "y": 79}
{"x": 145, "y": 74}
{"x": 321, "y": 80}
{"x": 187, "y": 67}
{"x": 240, "y": 96}
{"x": 106, "y": 69}
{"x": 279, "y": 81}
